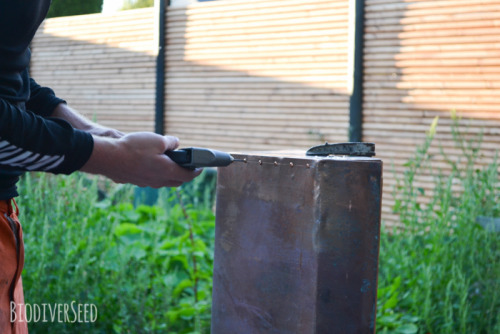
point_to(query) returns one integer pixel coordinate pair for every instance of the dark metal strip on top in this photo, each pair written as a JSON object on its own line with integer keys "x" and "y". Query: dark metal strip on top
{"x": 358, "y": 149}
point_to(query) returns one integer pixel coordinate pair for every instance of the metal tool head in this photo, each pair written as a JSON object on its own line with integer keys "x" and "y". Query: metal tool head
{"x": 197, "y": 157}
{"x": 357, "y": 149}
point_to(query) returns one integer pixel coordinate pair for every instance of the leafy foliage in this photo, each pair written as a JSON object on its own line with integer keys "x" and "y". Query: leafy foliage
{"x": 133, "y": 4}
{"x": 147, "y": 269}
{"x": 74, "y": 7}
{"x": 440, "y": 272}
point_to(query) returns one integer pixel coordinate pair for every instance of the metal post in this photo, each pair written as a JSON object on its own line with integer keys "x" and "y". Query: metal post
{"x": 160, "y": 69}
{"x": 296, "y": 245}
{"x": 356, "y": 99}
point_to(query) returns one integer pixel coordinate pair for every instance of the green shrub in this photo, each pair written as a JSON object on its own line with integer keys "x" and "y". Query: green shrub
{"x": 74, "y": 7}
{"x": 147, "y": 269}
{"x": 440, "y": 272}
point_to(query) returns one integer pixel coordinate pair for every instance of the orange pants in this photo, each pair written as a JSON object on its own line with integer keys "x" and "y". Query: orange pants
{"x": 11, "y": 266}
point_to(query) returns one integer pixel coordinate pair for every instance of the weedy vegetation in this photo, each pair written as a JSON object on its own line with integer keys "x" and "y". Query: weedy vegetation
{"x": 148, "y": 268}
{"x": 439, "y": 271}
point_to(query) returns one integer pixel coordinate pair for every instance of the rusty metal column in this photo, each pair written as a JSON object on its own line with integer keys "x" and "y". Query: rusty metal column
{"x": 296, "y": 245}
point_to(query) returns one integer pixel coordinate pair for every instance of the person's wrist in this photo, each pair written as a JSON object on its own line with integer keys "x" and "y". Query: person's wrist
{"x": 105, "y": 154}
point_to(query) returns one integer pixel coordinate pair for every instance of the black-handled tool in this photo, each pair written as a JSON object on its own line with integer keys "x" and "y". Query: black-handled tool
{"x": 197, "y": 157}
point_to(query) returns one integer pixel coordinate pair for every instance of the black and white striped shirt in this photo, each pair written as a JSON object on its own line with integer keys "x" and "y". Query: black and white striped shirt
{"x": 29, "y": 139}
{"x": 30, "y": 142}
{"x": 18, "y": 157}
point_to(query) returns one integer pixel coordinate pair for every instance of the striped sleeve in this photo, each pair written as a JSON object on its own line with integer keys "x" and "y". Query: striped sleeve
{"x": 29, "y": 142}
{"x": 17, "y": 157}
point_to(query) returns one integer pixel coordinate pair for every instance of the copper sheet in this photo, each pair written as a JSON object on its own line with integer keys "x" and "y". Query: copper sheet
{"x": 297, "y": 241}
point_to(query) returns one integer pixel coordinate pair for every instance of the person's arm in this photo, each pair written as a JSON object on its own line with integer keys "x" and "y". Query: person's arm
{"x": 29, "y": 142}
{"x": 42, "y": 100}
{"x": 138, "y": 158}
{"x": 45, "y": 103}
{"x": 78, "y": 121}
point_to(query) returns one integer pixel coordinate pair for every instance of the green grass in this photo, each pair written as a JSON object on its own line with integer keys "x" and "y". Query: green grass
{"x": 440, "y": 272}
{"x": 148, "y": 268}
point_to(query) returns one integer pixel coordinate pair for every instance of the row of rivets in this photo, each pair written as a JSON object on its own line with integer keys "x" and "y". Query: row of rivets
{"x": 276, "y": 163}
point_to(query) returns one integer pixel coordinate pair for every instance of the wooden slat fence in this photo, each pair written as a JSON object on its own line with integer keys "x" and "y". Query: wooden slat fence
{"x": 267, "y": 75}
{"x": 104, "y": 65}
{"x": 423, "y": 59}
{"x": 257, "y": 75}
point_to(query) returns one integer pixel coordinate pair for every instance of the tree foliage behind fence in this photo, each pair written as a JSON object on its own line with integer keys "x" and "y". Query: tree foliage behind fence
{"x": 74, "y": 7}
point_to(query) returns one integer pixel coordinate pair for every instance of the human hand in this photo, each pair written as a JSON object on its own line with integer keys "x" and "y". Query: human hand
{"x": 138, "y": 158}
{"x": 102, "y": 131}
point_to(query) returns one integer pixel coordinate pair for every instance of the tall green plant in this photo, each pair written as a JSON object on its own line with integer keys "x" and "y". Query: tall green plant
{"x": 134, "y": 263}
{"x": 439, "y": 273}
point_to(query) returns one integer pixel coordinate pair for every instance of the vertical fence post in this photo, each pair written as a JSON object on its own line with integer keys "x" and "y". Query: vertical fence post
{"x": 356, "y": 99}
{"x": 160, "y": 68}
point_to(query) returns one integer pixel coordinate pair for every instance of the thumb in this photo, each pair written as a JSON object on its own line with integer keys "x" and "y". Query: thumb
{"x": 171, "y": 143}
